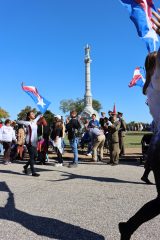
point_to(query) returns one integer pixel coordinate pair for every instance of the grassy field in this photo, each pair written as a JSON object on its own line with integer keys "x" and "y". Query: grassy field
{"x": 133, "y": 139}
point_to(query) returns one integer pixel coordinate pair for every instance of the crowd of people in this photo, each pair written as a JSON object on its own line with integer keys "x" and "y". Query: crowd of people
{"x": 34, "y": 135}
{"x": 106, "y": 132}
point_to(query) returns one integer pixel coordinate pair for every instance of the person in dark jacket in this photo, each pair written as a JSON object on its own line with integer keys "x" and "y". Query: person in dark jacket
{"x": 57, "y": 142}
{"x": 43, "y": 132}
{"x": 72, "y": 128}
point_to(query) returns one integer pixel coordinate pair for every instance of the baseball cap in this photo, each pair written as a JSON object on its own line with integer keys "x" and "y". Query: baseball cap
{"x": 58, "y": 116}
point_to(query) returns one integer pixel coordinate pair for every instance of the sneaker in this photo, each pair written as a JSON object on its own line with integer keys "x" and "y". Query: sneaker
{"x": 6, "y": 162}
{"x": 89, "y": 154}
{"x": 94, "y": 160}
{"x": 114, "y": 164}
{"x": 146, "y": 180}
{"x": 35, "y": 174}
{"x": 73, "y": 165}
{"x": 125, "y": 235}
{"x": 58, "y": 165}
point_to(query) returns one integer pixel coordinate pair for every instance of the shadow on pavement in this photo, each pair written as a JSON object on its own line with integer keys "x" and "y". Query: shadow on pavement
{"x": 11, "y": 172}
{"x": 21, "y": 173}
{"x": 43, "y": 226}
{"x": 69, "y": 176}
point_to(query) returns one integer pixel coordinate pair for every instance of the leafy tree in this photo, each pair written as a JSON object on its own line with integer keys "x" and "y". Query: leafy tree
{"x": 96, "y": 105}
{"x": 23, "y": 113}
{"x": 132, "y": 122}
{"x": 68, "y": 105}
{"x": 3, "y": 113}
{"x": 48, "y": 115}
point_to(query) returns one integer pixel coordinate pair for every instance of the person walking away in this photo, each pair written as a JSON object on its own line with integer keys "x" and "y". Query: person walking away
{"x": 121, "y": 134}
{"x": 152, "y": 90}
{"x": 31, "y": 141}
{"x": 7, "y": 135}
{"x": 73, "y": 127}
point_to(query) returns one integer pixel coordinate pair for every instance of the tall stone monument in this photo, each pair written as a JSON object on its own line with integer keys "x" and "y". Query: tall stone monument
{"x": 88, "y": 110}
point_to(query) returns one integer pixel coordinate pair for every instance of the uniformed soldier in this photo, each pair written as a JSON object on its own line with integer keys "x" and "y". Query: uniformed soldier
{"x": 113, "y": 138}
{"x": 121, "y": 133}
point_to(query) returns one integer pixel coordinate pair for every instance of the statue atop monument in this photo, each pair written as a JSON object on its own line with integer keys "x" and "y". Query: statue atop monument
{"x": 87, "y": 54}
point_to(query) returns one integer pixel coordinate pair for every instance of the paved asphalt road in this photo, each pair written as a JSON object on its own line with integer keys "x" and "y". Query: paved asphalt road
{"x": 84, "y": 203}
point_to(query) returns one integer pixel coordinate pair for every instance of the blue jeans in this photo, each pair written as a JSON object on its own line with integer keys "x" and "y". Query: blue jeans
{"x": 74, "y": 146}
{"x": 1, "y": 149}
{"x": 63, "y": 145}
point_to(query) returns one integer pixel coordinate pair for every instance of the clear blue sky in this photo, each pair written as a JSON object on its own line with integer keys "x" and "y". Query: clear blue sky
{"x": 42, "y": 44}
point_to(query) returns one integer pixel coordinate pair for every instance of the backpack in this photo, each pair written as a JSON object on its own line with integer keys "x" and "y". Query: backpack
{"x": 74, "y": 129}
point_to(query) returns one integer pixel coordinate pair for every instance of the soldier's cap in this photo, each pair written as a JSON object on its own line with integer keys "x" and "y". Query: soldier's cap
{"x": 103, "y": 113}
{"x": 119, "y": 113}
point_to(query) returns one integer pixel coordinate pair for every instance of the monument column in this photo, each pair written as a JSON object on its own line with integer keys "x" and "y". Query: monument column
{"x": 88, "y": 109}
{"x": 88, "y": 95}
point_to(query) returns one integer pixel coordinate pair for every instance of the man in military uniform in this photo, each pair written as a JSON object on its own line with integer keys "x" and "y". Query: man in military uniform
{"x": 113, "y": 129}
{"x": 121, "y": 134}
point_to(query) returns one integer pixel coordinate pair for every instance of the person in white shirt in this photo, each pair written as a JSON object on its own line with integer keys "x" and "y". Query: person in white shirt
{"x": 7, "y": 135}
{"x": 152, "y": 90}
{"x": 31, "y": 141}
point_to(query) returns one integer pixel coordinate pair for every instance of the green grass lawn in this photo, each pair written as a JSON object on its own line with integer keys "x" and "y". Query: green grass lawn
{"x": 133, "y": 139}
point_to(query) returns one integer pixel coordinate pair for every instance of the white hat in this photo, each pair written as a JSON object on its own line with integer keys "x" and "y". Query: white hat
{"x": 58, "y": 116}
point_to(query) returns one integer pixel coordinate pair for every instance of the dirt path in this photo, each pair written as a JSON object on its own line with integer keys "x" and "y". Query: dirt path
{"x": 131, "y": 153}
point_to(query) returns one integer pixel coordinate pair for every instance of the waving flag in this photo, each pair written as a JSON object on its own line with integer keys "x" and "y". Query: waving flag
{"x": 41, "y": 102}
{"x": 138, "y": 79}
{"x": 140, "y": 13}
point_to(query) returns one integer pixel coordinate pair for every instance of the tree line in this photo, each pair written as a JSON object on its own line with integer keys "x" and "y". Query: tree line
{"x": 67, "y": 105}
